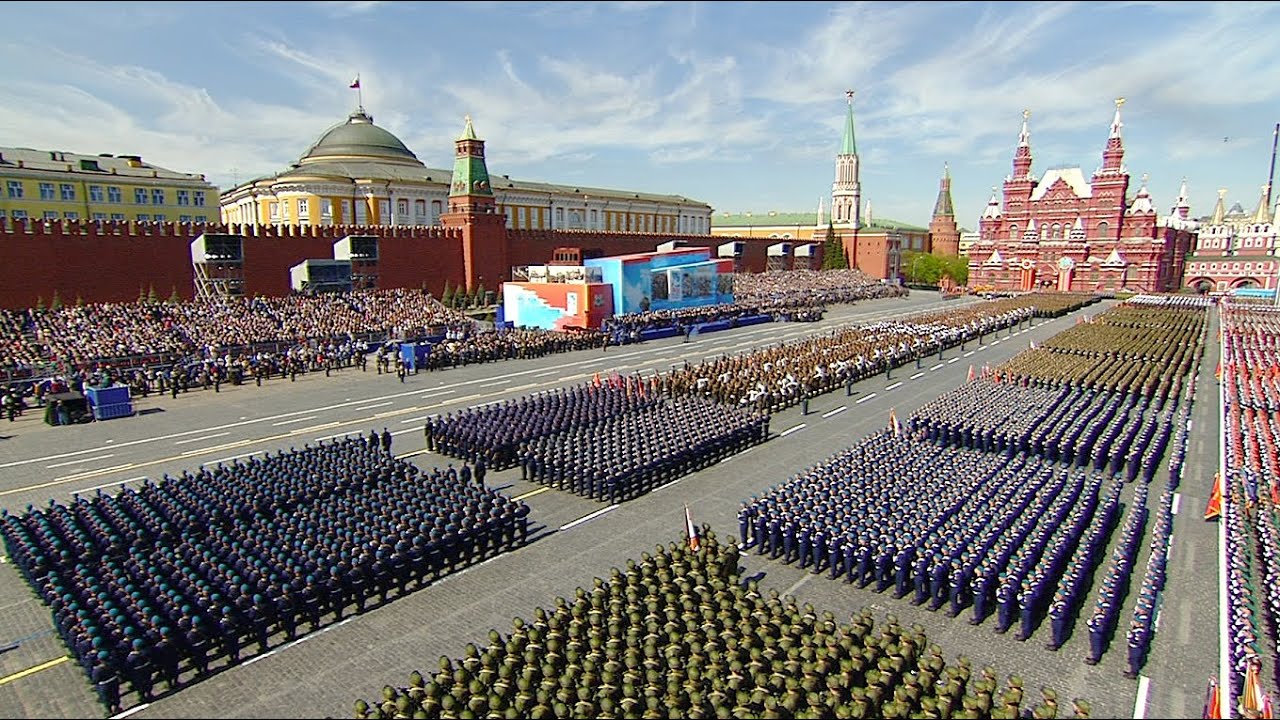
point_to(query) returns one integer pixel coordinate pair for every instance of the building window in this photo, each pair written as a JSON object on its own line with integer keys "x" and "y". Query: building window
{"x": 1013, "y": 232}
{"x": 362, "y": 212}
{"x": 402, "y": 209}
{"x": 95, "y": 193}
{"x": 559, "y": 217}
{"x": 71, "y": 215}
{"x": 140, "y": 196}
{"x": 384, "y": 211}
{"x": 419, "y": 211}
{"x": 114, "y": 195}
{"x": 202, "y": 218}
{"x": 304, "y": 208}
{"x": 159, "y": 218}
{"x": 157, "y": 196}
{"x": 19, "y": 214}
{"x": 594, "y": 220}
{"x": 273, "y": 211}
{"x": 184, "y": 197}
{"x": 15, "y": 189}
{"x": 117, "y": 216}
{"x": 46, "y": 191}
{"x": 99, "y": 216}
{"x": 68, "y": 191}
{"x": 521, "y": 218}
{"x": 1104, "y": 229}
{"x": 326, "y": 209}
{"x": 50, "y": 214}
{"x": 199, "y": 198}
{"x": 143, "y": 217}
{"x": 184, "y": 218}
{"x": 437, "y": 207}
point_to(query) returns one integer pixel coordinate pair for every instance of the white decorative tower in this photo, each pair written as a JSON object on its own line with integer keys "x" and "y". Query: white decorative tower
{"x": 846, "y": 191}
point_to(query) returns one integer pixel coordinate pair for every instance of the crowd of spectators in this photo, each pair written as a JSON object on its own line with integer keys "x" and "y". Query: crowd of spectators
{"x": 810, "y": 288}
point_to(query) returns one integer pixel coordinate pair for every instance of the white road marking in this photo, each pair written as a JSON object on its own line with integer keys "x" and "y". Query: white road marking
{"x": 131, "y": 711}
{"x": 370, "y": 407}
{"x": 290, "y": 422}
{"x": 81, "y": 461}
{"x": 106, "y": 485}
{"x": 1140, "y": 705}
{"x": 894, "y": 385}
{"x": 935, "y": 367}
{"x": 790, "y": 430}
{"x": 837, "y": 411}
{"x": 592, "y": 516}
{"x": 954, "y": 360}
{"x": 917, "y": 376}
{"x": 202, "y": 437}
{"x": 863, "y": 399}
{"x": 966, "y": 355}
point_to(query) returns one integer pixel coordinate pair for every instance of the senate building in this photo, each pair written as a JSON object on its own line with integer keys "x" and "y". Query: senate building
{"x": 358, "y": 173}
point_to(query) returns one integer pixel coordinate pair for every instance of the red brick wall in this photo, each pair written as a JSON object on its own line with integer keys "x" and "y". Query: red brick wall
{"x": 108, "y": 264}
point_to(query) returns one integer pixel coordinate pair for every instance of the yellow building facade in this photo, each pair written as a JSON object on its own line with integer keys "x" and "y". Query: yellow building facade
{"x": 357, "y": 173}
{"x": 57, "y": 185}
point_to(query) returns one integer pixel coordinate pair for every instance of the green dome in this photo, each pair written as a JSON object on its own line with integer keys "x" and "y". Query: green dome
{"x": 359, "y": 137}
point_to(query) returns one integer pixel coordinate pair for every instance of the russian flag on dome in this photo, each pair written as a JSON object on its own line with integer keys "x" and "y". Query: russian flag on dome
{"x": 355, "y": 84}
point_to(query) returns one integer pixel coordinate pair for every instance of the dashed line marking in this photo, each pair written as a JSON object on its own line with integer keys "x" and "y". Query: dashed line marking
{"x": 531, "y": 493}
{"x": 954, "y": 360}
{"x": 837, "y": 411}
{"x": 592, "y": 516}
{"x": 917, "y": 376}
{"x": 863, "y": 399}
{"x": 935, "y": 367}
{"x": 790, "y": 430}
{"x": 894, "y": 385}
{"x": 968, "y": 354}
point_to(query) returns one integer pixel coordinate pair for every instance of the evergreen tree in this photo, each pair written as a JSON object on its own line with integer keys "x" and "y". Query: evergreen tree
{"x": 56, "y": 302}
{"x": 39, "y": 302}
{"x": 446, "y": 297}
{"x": 79, "y": 300}
{"x": 174, "y": 297}
{"x": 151, "y": 295}
{"x": 833, "y": 257}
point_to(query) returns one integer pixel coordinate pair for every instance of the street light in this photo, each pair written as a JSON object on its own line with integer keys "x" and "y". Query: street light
{"x": 913, "y": 267}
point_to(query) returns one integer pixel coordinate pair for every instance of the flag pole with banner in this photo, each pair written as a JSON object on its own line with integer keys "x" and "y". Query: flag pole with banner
{"x": 355, "y": 85}
{"x": 690, "y": 529}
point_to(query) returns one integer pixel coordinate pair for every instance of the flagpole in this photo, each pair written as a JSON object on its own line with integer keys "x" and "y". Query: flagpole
{"x": 359, "y": 92}
{"x": 1224, "y": 630}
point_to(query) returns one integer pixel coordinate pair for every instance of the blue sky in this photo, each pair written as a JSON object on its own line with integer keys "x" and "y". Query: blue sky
{"x": 736, "y": 104}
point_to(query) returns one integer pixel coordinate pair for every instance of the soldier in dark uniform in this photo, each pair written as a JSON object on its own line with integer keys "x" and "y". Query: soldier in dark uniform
{"x": 106, "y": 681}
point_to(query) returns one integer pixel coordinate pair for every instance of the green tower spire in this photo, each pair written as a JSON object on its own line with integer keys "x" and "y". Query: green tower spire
{"x": 849, "y": 146}
{"x": 470, "y": 174}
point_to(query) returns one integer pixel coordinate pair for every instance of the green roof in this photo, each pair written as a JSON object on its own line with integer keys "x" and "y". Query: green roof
{"x": 346, "y": 170}
{"x": 359, "y": 137}
{"x": 850, "y": 145}
{"x": 792, "y": 219}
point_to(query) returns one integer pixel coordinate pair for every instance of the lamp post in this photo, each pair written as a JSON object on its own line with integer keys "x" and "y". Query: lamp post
{"x": 750, "y": 224}
{"x": 913, "y": 267}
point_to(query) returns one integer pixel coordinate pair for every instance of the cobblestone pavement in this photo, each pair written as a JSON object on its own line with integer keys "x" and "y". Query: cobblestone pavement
{"x": 323, "y": 673}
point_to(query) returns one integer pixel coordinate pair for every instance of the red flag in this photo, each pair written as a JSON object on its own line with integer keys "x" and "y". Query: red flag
{"x": 690, "y": 529}
{"x": 1212, "y": 703}
{"x": 893, "y": 422}
{"x": 595, "y": 380}
{"x": 1252, "y": 700}
{"x": 355, "y": 84}
{"x": 1215, "y": 499}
